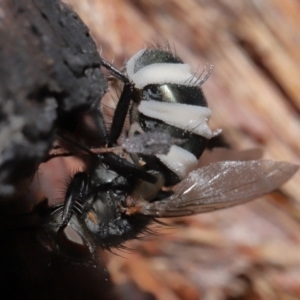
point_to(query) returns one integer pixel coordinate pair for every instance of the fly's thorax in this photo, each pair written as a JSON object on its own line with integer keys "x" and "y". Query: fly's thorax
{"x": 108, "y": 224}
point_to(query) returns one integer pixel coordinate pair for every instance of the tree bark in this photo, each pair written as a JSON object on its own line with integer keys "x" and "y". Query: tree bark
{"x": 49, "y": 73}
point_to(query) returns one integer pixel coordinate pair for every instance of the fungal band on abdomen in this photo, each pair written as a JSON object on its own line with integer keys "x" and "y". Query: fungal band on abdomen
{"x": 159, "y": 73}
{"x": 164, "y": 73}
{"x": 179, "y": 160}
{"x": 187, "y": 117}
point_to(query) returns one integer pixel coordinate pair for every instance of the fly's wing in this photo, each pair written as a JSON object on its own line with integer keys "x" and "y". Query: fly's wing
{"x": 224, "y": 154}
{"x": 221, "y": 185}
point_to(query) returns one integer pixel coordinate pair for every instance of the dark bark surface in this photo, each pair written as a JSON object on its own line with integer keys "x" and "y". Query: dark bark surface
{"x": 49, "y": 72}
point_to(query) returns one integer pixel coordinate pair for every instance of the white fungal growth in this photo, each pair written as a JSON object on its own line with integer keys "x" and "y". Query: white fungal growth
{"x": 179, "y": 160}
{"x": 187, "y": 117}
{"x": 160, "y": 73}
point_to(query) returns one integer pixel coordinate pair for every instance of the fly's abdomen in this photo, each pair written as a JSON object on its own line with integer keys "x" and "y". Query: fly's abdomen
{"x": 169, "y": 97}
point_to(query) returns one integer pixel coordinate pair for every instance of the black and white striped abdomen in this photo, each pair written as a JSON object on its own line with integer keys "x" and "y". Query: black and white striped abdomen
{"x": 168, "y": 96}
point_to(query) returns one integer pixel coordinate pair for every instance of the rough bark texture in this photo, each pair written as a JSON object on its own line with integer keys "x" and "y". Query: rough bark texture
{"x": 49, "y": 70}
